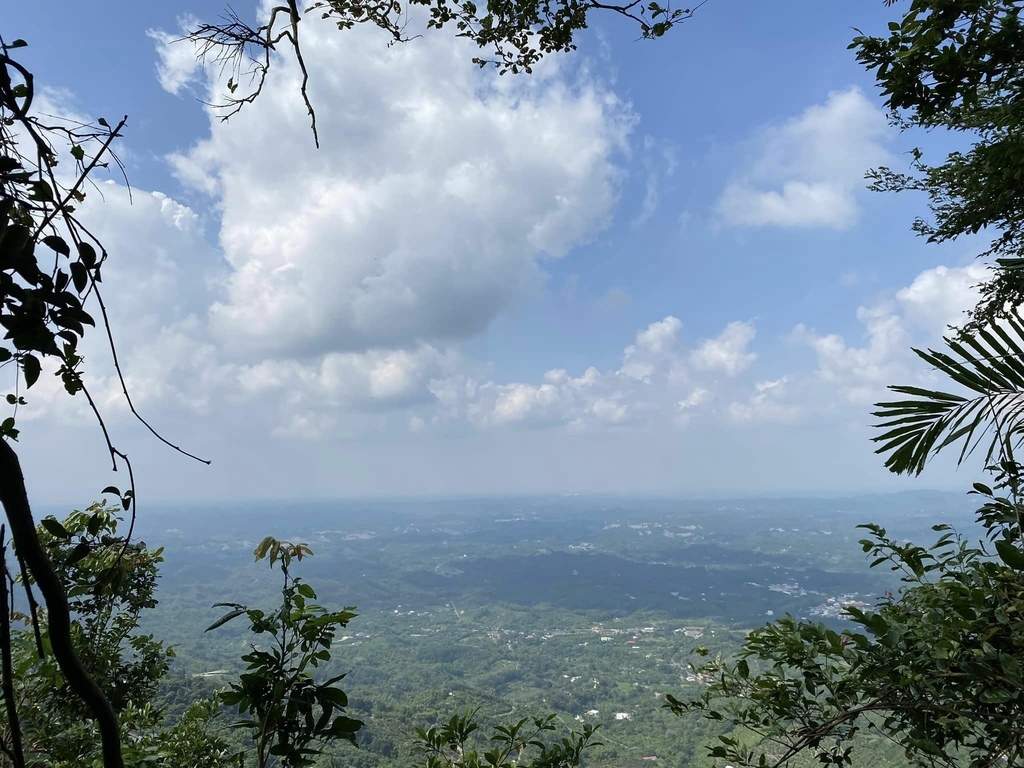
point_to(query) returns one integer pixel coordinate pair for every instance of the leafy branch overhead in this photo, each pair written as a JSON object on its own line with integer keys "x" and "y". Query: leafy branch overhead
{"x": 514, "y": 35}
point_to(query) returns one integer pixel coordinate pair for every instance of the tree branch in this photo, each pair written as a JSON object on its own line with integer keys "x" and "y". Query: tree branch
{"x": 14, "y": 499}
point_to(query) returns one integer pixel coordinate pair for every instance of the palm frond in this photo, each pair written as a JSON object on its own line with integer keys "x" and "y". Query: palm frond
{"x": 988, "y": 363}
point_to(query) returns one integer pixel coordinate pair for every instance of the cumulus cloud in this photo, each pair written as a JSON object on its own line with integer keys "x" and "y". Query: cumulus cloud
{"x": 656, "y": 382}
{"x": 939, "y": 297}
{"x": 727, "y": 352}
{"x": 807, "y": 171}
{"x": 859, "y": 374}
{"x": 344, "y": 280}
{"x": 313, "y": 397}
{"x": 652, "y": 347}
{"x": 919, "y": 314}
{"x": 438, "y": 193}
{"x": 559, "y": 399}
{"x": 178, "y": 65}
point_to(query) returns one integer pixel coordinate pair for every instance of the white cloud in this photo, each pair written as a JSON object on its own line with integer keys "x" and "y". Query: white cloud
{"x": 437, "y": 194}
{"x": 609, "y": 410}
{"x": 808, "y": 170}
{"x": 727, "y": 352}
{"x": 313, "y": 397}
{"x": 560, "y": 399}
{"x": 860, "y": 374}
{"x": 797, "y": 204}
{"x": 916, "y": 315}
{"x": 516, "y": 402}
{"x": 686, "y": 407}
{"x": 767, "y": 404}
{"x": 654, "y": 384}
{"x": 652, "y": 347}
{"x": 697, "y": 397}
{"x": 178, "y": 65}
{"x": 345, "y": 278}
{"x": 939, "y": 297}
{"x": 154, "y": 290}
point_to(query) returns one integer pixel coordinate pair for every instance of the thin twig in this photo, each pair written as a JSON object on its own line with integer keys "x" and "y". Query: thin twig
{"x": 124, "y": 386}
{"x": 63, "y": 204}
{"x": 33, "y": 606}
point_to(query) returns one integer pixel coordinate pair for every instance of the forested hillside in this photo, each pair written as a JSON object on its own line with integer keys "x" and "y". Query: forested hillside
{"x": 585, "y": 607}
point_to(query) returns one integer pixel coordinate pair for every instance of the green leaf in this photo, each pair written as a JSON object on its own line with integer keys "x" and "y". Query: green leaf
{"x": 335, "y": 695}
{"x": 54, "y": 528}
{"x": 225, "y": 619}
{"x": 78, "y": 552}
{"x": 1010, "y": 554}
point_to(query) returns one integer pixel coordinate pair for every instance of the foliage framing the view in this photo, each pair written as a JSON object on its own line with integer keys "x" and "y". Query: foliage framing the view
{"x": 958, "y": 65}
{"x": 110, "y": 583}
{"x": 42, "y": 313}
{"x": 936, "y": 667}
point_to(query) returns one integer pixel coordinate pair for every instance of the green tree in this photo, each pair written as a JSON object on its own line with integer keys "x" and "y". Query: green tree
{"x": 522, "y": 743}
{"x": 288, "y": 713}
{"x": 935, "y": 668}
{"x": 958, "y": 65}
{"x": 110, "y": 582}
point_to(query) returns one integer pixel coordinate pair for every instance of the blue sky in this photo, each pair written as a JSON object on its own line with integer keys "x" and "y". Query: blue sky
{"x": 650, "y": 267}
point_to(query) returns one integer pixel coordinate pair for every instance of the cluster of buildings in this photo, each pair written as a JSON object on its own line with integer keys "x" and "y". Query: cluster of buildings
{"x": 835, "y": 607}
